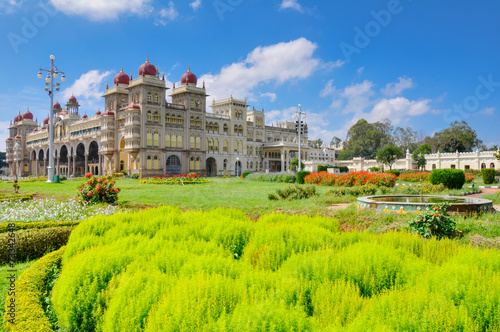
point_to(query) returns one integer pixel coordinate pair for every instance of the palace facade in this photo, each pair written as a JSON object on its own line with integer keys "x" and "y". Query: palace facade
{"x": 140, "y": 132}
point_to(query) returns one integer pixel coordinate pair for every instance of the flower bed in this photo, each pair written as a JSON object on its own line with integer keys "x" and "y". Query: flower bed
{"x": 367, "y": 189}
{"x": 352, "y": 179}
{"x": 98, "y": 190}
{"x": 191, "y": 178}
{"x": 50, "y": 210}
{"x": 469, "y": 178}
{"x": 414, "y": 177}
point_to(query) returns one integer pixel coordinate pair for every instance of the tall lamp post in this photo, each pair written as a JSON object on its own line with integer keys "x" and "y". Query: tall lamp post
{"x": 299, "y": 115}
{"x": 52, "y": 73}
{"x": 17, "y": 151}
{"x": 237, "y": 168}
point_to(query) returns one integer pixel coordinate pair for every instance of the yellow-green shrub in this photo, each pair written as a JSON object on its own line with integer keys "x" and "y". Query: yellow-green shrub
{"x": 29, "y": 290}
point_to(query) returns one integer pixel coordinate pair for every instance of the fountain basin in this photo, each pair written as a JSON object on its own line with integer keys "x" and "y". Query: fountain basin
{"x": 414, "y": 203}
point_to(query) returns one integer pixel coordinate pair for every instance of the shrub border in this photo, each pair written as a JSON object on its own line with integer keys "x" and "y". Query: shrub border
{"x": 30, "y": 288}
{"x": 21, "y": 198}
{"x": 4, "y": 227}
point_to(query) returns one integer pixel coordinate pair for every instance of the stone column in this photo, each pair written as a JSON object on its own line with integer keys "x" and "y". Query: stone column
{"x": 58, "y": 169}
{"x": 86, "y": 163}
{"x": 45, "y": 166}
{"x": 74, "y": 164}
{"x": 282, "y": 160}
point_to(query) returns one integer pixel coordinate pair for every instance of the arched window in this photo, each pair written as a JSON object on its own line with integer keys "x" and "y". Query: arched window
{"x": 156, "y": 97}
{"x": 226, "y": 128}
{"x": 192, "y": 123}
{"x": 157, "y": 116}
{"x": 179, "y": 119}
{"x": 225, "y": 164}
{"x": 198, "y": 121}
{"x": 216, "y": 127}
{"x": 167, "y": 118}
{"x": 191, "y": 163}
{"x": 207, "y": 145}
{"x": 167, "y": 140}
{"x": 156, "y": 162}
{"x": 240, "y": 147}
{"x": 211, "y": 144}
{"x": 179, "y": 140}
{"x": 156, "y": 138}
{"x": 225, "y": 148}
{"x": 149, "y": 137}
{"x": 149, "y": 162}
{"x": 150, "y": 96}
{"x": 492, "y": 165}
{"x": 192, "y": 142}
{"x": 198, "y": 142}
{"x": 197, "y": 165}
{"x": 216, "y": 145}
{"x": 483, "y": 165}
{"x": 235, "y": 146}
{"x": 251, "y": 165}
{"x": 150, "y": 115}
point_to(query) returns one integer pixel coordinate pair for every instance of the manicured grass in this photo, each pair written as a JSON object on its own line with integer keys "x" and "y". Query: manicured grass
{"x": 5, "y": 284}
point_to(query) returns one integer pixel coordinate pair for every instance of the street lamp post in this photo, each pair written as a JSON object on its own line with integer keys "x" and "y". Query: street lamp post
{"x": 17, "y": 151}
{"x": 237, "y": 170}
{"x": 52, "y": 73}
{"x": 299, "y": 115}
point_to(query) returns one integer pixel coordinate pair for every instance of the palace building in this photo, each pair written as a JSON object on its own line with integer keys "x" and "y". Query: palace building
{"x": 140, "y": 132}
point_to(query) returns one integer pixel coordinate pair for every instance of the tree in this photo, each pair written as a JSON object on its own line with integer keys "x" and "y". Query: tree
{"x": 335, "y": 142}
{"x": 458, "y": 137}
{"x": 317, "y": 143}
{"x": 3, "y": 158}
{"x": 388, "y": 155}
{"x": 364, "y": 139}
{"x": 419, "y": 155}
{"x": 295, "y": 162}
{"x": 405, "y": 139}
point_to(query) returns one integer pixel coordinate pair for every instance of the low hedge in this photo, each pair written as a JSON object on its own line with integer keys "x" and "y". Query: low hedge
{"x": 34, "y": 243}
{"x": 244, "y": 174}
{"x": 450, "y": 178}
{"x": 26, "y": 197}
{"x": 27, "y": 298}
{"x": 488, "y": 175}
{"x": 367, "y": 189}
{"x": 394, "y": 171}
{"x": 4, "y": 227}
{"x": 301, "y": 175}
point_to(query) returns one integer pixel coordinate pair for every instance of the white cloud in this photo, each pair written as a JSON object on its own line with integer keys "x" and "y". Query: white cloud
{"x": 398, "y": 110}
{"x": 168, "y": 14}
{"x": 272, "y": 96}
{"x": 292, "y": 4}
{"x": 10, "y": 6}
{"x": 87, "y": 89}
{"x": 361, "y": 70}
{"x": 280, "y": 63}
{"x": 195, "y": 4}
{"x": 394, "y": 89}
{"x": 98, "y": 10}
{"x": 4, "y": 134}
{"x": 487, "y": 111}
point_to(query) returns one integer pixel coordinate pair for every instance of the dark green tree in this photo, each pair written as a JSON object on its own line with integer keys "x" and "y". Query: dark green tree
{"x": 388, "y": 155}
{"x": 317, "y": 143}
{"x": 364, "y": 139}
{"x": 335, "y": 142}
{"x": 419, "y": 155}
{"x": 405, "y": 138}
{"x": 294, "y": 163}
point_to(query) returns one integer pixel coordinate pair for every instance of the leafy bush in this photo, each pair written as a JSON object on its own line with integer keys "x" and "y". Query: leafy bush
{"x": 450, "y": 178}
{"x": 30, "y": 288}
{"x": 272, "y": 177}
{"x": 15, "y": 197}
{"x": 301, "y": 175}
{"x": 434, "y": 223}
{"x": 98, "y": 190}
{"x": 294, "y": 192}
{"x": 488, "y": 175}
{"x": 394, "y": 171}
{"x": 244, "y": 174}
{"x": 322, "y": 168}
{"x": 374, "y": 169}
{"x": 6, "y": 227}
{"x": 62, "y": 178}
{"x": 220, "y": 271}
{"x": 34, "y": 243}
{"x": 414, "y": 177}
{"x": 135, "y": 176}
{"x": 367, "y": 189}
{"x": 417, "y": 189}
{"x": 124, "y": 172}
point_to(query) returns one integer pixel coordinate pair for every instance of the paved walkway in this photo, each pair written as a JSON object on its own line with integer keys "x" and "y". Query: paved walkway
{"x": 487, "y": 191}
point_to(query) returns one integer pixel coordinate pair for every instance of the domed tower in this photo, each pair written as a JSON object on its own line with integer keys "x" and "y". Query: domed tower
{"x": 72, "y": 105}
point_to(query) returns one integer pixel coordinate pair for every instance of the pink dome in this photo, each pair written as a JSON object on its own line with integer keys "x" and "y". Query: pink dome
{"x": 18, "y": 137}
{"x": 46, "y": 120}
{"x": 121, "y": 78}
{"x": 63, "y": 112}
{"x": 28, "y": 115}
{"x": 133, "y": 106}
{"x": 9, "y": 139}
{"x": 98, "y": 112}
{"x": 108, "y": 113}
{"x": 189, "y": 77}
{"x": 147, "y": 69}
{"x": 36, "y": 129}
{"x": 18, "y": 117}
{"x": 84, "y": 116}
{"x": 72, "y": 99}
{"x": 57, "y": 105}
{"x": 43, "y": 128}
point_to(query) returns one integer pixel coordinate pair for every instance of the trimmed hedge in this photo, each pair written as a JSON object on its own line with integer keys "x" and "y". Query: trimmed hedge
{"x": 30, "y": 288}
{"x": 17, "y": 198}
{"x": 35, "y": 243}
{"x": 301, "y": 175}
{"x": 450, "y": 178}
{"x": 4, "y": 227}
{"x": 244, "y": 174}
{"x": 322, "y": 168}
{"x": 394, "y": 171}
{"x": 488, "y": 175}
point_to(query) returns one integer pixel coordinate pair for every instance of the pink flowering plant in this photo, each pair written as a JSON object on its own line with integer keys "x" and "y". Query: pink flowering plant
{"x": 98, "y": 190}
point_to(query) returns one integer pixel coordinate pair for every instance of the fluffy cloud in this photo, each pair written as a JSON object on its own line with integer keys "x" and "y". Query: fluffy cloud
{"x": 9, "y": 6}
{"x": 398, "y": 110}
{"x": 487, "y": 111}
{"x": 279, "y": 63}
{"x": 87, "y": 87}
{"x": 195, "y": 4}
{"x": 168, "y": 14}
{"x": 99, "y": 10}
{"x": 4, "y": 134}
{"x": 394, "y": 89}
{"x": 272, "y": 96}
{"x": 292, "y": 4}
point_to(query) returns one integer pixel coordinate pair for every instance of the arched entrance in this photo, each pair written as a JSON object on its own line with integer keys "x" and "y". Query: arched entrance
{"x": 93, "y": 159}
{"x": 174, "y": 166}
{"x": 63, "y": 161}
{"x": 237, "y": 168}
{"x": 80, "y": 160}
{"x": 211, "y": 167}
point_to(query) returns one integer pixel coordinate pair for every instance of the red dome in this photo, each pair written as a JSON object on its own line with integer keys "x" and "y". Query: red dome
{"x": 108, "y": 113}
{"x": 18, "y": 137}
{"x": 84, "y": 116}
{"x": 43, "y": 128}
{"x": 9, "y": 139}
{"x": 57, "y": 105}
{"x": 98, "y": 112}
{"x": 28, "y": 115}
{"x": 72, "y": 99}
{"x": 147, "y": 69}
{"x": 18, "y": 117}
{"x": 63, "y": 112}
{"x": 121, "y": 78}
{"x": 189, "y": 77}
{"x": 36, "y": 129}
{"x": 133, "y": 107}
{"x": 46, "y": 120}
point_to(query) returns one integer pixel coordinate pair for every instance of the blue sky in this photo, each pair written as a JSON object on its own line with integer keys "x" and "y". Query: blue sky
{"x": 418, "y": 63}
